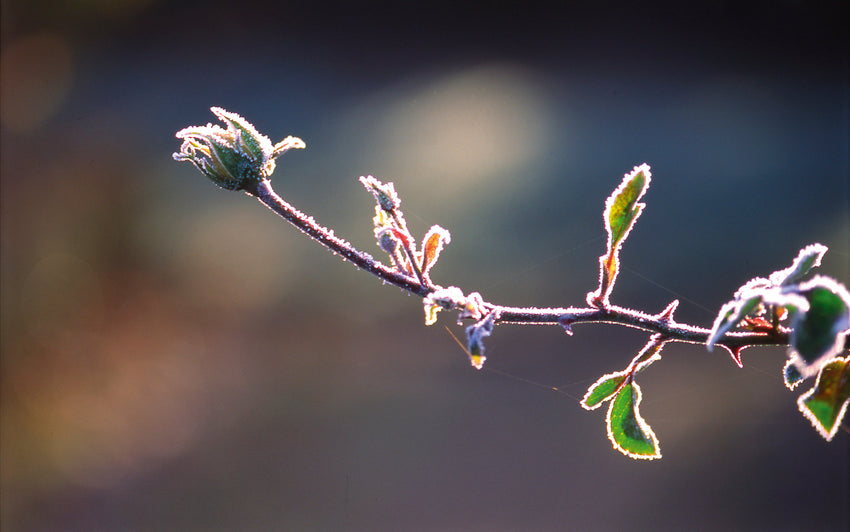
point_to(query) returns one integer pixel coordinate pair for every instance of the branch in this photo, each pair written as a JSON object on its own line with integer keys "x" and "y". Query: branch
{"x": 613, "y": 314}
{"x": 264, "y": 192}
{"x": 815, "y": 312}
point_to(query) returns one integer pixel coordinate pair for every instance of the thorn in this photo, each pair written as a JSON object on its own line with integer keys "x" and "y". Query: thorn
{"x": 735, "y": 353}
{"x": 666, "y": 315}
{"x": 567, "y": 324}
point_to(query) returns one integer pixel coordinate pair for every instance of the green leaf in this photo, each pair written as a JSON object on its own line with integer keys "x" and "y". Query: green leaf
{"x": 608, "y": 385}
{"x": 826, "y": 403}
{"x": 623, "y": 208}
{"x": 819, "y": 332}
{"x": 627, "y": 430}
{"x": 731, "y": 313}
{"x": 621, "y": 211}
{"x": 602, "y": 390}
{"x": 751, "y": 299}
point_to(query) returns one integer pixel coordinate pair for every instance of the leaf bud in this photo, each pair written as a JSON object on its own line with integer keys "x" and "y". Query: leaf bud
{"x": 235, "y": 158}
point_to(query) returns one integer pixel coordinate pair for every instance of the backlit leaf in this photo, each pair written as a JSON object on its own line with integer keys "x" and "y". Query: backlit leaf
{"x": 431, "y": 311}
{"x": 627, "y": 430}
{"x": 432, "y": 245}
{"x": 602, "y": 390}
{"x": 808, "y": 258}
{"x": 818, "y": 333}
{"x": 791, "y": 375}
{"x": 621, "y": 211}
{"x": 826, "y": 403}
{"x": 607, "y": 385}
{"x": 731, "y": 313}
{"x": 752, "y": 299}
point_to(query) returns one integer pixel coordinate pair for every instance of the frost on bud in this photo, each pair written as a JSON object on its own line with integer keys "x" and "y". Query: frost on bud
{"x": 236, "y": 158}
{"x": 440, "y": 299}
{"x": 384, "y": 193}
{"x": 475, "y": 335}
{"x": 472, "y": 308}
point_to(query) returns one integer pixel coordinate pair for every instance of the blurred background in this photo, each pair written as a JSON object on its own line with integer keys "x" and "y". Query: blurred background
{"x": 174, "y": 357}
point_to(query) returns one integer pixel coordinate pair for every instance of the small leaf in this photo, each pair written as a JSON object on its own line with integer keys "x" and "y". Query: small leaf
{"x": 627, "y": 430}
{"x": 791, "y": 376}
{"x": 442, "y": 298}
{"x": 250, "y": 142}
{"x": 826, "y": 403}
{"x": 431, "y": 311}
{"x": 621, "y": 211}
{"x": 808, "y": 258}
{"x": 603, "y": 389}
{"x": 385, "y": 194}
{"x": 818, "y": 333}
{"x": 401, "y": 236}
{"x": 432, "y": 245}
{"x": 731, "y": 313}
{"x": 751, "y": 299}
{"x": 649, "y": 354}
{"x": 607, "y": 385}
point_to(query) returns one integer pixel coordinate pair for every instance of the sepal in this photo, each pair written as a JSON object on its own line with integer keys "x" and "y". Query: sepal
{"x": 235, "y": 158}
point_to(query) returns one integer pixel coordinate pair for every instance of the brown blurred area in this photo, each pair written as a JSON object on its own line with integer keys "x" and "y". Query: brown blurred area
{"x": 176, "y": 358}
